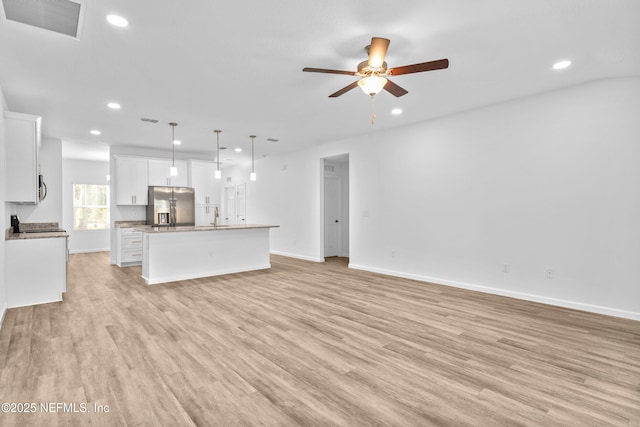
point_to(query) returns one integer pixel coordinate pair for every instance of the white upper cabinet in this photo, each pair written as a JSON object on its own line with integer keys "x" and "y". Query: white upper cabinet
{"x": 131, "y": 181}
{"x": 202, "y": 179}
{"x": 159, "y": 173}
{"x": 22, "y": 145}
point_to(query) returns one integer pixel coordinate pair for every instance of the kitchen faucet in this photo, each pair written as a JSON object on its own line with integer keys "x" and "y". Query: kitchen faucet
{"x": 215, "y": 216}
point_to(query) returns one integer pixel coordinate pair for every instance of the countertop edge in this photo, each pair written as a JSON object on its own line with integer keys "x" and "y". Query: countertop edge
{"x": 155, "y": 230}
{"x": 31, "y": 236}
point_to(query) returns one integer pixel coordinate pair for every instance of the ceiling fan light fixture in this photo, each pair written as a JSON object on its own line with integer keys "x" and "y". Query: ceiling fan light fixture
{"x": 372, "y": 85}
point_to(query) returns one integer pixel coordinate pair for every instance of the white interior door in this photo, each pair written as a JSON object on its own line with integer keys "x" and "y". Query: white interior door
{"x": 241, "y": 203}
{"x": 332, "y": 216}
{"x": 230, "y": 205}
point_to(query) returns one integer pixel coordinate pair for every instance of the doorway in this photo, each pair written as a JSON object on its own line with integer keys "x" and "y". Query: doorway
{"x": 234, "y": 207}
{"x": 335, "y": 197}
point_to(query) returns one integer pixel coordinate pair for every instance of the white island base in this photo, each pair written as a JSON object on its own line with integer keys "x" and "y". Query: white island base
{"x": 182, "y": 253}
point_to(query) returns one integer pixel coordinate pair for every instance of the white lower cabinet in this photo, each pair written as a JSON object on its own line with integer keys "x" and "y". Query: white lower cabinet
{"x": 204, "y": 214}
{"x": 128, "y": 247}
{"x": 36, "y": 270}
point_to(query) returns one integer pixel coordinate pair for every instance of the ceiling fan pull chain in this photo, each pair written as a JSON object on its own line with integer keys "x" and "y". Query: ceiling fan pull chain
{"x": 373, "y": 109}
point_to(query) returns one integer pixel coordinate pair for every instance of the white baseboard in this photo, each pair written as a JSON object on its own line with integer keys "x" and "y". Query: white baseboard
{"x": 304, "y": 257}
{"x": 4, "y": 312}
{"x": 87, "y": 251}
{"x": 503, "y": 292}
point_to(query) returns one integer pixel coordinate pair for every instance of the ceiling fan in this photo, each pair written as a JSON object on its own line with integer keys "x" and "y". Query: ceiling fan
{"x": 374, "y": 71}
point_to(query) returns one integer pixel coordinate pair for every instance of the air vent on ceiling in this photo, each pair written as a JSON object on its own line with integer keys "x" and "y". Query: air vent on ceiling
{"x": 144, "y": 119}
{"x": 272, "y": 140}
{"x": 60, "y": 16}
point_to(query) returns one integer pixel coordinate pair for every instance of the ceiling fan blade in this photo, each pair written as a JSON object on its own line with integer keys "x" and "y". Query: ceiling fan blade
{"x": 324, "y": 70}
{"x": 344, "y": 90}
{"x": 377, "y": 51}
{"x": 394, "y": 89}
{"x": 419, "y": 68}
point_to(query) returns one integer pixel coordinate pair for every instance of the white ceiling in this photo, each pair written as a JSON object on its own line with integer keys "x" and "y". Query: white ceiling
{"x": 237, "y": 66}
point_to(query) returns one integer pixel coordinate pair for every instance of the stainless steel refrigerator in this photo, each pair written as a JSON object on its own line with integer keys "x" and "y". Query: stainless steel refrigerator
{"x": 171, "y": 206}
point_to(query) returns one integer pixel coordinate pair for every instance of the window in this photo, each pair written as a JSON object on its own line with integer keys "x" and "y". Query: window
{"x": 90, "y": 207}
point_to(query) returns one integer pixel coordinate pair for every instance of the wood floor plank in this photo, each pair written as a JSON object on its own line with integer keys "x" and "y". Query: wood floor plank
{"x": 308, "y": 343}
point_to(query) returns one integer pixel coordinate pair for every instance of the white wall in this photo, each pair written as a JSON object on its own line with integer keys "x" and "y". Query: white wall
{"x": 548, "y": 181}
{"x": 3, "y": 214}
{"x": 82, "y": 172}
{"x": 50, "y": 209}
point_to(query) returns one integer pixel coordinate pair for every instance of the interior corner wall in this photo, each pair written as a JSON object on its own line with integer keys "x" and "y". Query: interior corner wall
{"x": 77, "y": 171}
{"x": 542, "y": 183}
{"x": 3, "y": 214}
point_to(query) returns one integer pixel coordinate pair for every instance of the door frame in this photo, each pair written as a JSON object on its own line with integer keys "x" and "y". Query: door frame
{"x": 346, "y": 219}
{"x": 340, "y": 209}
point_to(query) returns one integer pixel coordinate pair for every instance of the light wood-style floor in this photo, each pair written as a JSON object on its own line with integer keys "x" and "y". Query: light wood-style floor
{"x": 314, "y": 345}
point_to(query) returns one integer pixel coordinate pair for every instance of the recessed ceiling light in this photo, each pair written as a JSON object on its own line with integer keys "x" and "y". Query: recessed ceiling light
{"x": 95, "y": 132}
{"x": 561, "y": 65}
{"x": 177, "y": 142}
{"x": 396, "y": 111}
{"x": 118, "y": 21}
{"x": 113, "y": 105}
{"x": 238, "y": 150}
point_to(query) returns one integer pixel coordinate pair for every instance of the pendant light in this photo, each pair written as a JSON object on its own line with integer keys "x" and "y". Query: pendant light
{"x": 218, "y": 174}
{"x": 252, "y": 175}
{"x": 173, "y": 170}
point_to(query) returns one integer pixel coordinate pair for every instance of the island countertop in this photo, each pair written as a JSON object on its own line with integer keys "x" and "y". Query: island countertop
{"x": 166, "y": 229}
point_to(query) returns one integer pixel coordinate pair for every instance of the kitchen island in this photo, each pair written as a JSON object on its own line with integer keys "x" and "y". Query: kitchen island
{"x": 170, "y": 254}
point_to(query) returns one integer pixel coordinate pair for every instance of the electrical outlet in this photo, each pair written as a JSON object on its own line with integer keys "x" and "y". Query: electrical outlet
{"x": 506, "y": 268}
{"x": 548, "y": 273}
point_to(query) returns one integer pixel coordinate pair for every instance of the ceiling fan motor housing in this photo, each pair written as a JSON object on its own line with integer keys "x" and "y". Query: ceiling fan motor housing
{"x": 365, "y": 70}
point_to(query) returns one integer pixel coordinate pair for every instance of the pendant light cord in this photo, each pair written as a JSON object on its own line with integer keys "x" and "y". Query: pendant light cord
{"x": 252, "y": 156}
{"x": 217, "y": 131}
{"x": 373, "y": 109}
{"x": 173, "y": 145}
